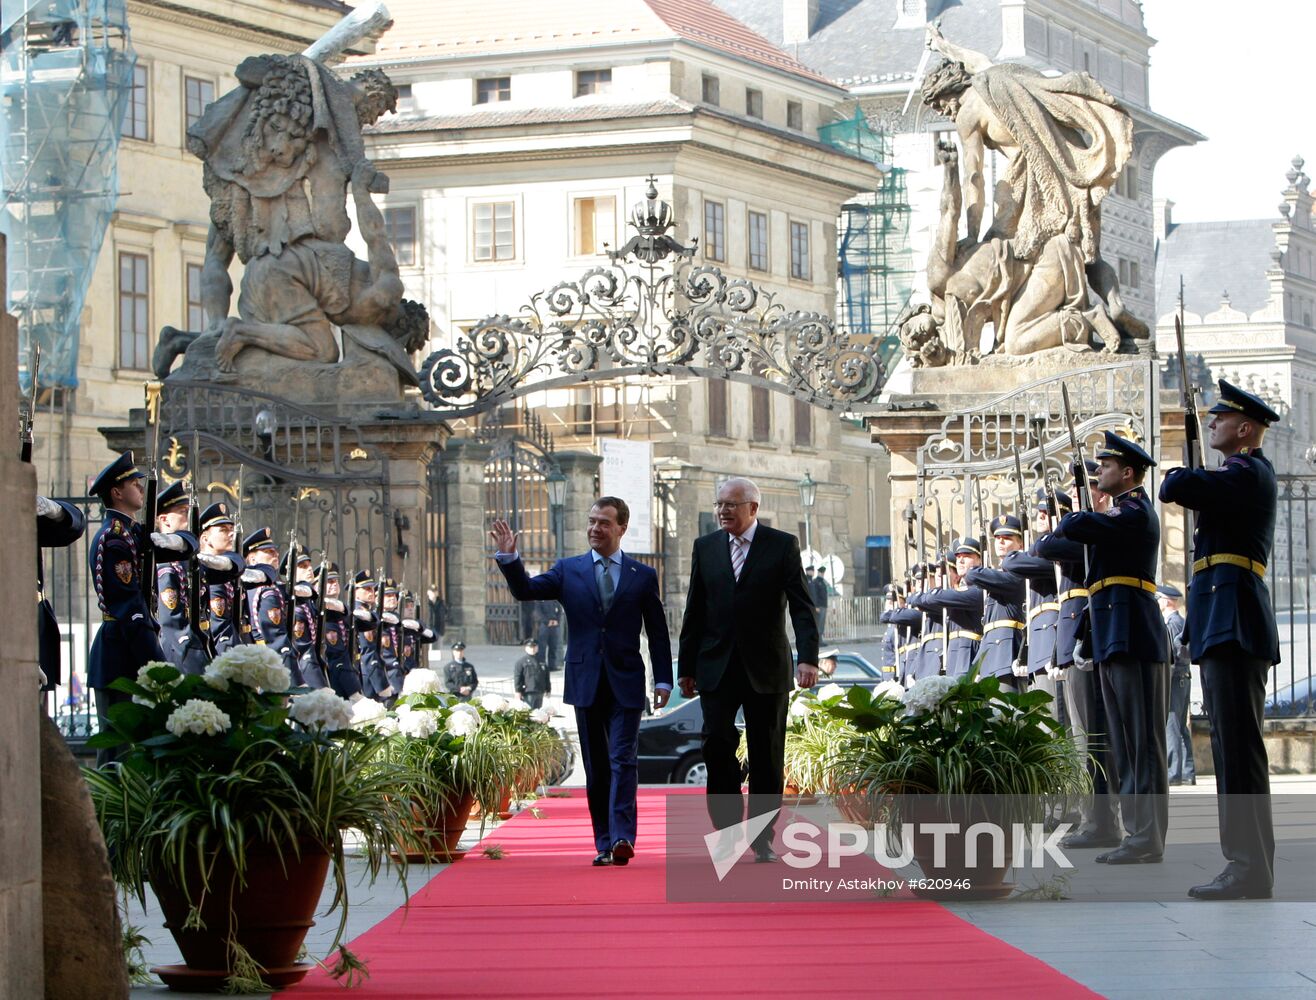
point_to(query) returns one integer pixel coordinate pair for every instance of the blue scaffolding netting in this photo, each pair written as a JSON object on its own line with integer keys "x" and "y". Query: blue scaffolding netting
{"x": 66, "y": 73}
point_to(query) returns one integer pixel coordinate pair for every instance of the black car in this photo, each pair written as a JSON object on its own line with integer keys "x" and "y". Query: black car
{"x": 851, "y": 669}
{"x": 670, "y": 746}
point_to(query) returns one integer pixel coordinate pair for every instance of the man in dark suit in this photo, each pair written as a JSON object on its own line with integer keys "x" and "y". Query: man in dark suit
{"x": 735, "y": 653}
{"x": 1232, "y": 632}
{"x": 606, "y": 596}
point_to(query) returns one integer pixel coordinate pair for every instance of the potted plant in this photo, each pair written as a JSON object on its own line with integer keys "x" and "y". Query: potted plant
{"x": 523, "y": 743}
{"x": 956, "y": 750}
{"x": 231, "y": 796}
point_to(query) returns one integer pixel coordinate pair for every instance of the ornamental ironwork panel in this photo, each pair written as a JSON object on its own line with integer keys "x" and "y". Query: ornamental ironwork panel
{"x": 1292, "y": 689}
{"x": 516, "y": 490}
{"x": 652, "y": 311}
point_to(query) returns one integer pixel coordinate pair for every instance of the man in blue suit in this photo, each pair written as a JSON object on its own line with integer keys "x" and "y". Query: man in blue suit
{"x": 607, "y": 596}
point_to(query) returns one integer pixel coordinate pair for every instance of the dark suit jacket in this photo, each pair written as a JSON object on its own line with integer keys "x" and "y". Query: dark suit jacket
{"x": 748, "y": 616}
{"x": 599, "y": 641}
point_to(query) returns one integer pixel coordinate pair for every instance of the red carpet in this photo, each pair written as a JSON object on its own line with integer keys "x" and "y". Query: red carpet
{"x": 541, "y": 922}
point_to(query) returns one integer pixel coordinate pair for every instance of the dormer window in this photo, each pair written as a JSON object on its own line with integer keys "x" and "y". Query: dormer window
{"x": 593, "y": 81}
{"x": 493, "y": 90}
{"x": 711, "y": 89}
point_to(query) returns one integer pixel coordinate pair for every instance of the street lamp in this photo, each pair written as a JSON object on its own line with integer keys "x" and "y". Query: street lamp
{"x": 557, "y": 499}
{"x": 808, "y": 497}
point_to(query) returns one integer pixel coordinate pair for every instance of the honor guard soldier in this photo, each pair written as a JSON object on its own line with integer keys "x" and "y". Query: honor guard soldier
{"x": 271, "y": 618}
{"x": 906, "y": 622}
{"x": 374, "y": 681}
{"x": 339, "y": 659}
{"x": 222, "y": 567}
{"x": 913, "y": 656}
{"x": 961, "y": 626}
{"x": 890, "y": 656}
{"x": 530, "y": 675}
{"x": 181, "y": 648}
{"x": 1128, "y": 643}
{"x": 127, "y": 639}
{"x": 416, "y": 637}
{"x": 929, "y": 659}
{"x": 459, "y": 676}
{"x": 390, "y": 642}
{"x": 59, "y": 524}
{"x": 1232, "y": 632}
{"x": 306, "y": 624}
{"x": 1003, "y": 614}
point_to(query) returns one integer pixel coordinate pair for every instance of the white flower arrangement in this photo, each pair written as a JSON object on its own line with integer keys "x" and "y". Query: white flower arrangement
{"x": 515, "y": 704}
{"x": 492, "y": 702}
{"x": 367, "y": 712}
{"x": 890, "y": 689}
{"x": 419, "y": 723}
{"x": 540, "y": 715}
{"x": 926, "y": 694}
{"x": 159, "y": 689}
{"x": 830, "y": 691}
{"x": 321, "y": 709}
{"x": 462, "y": 723}
{"x": 387, "y": 725}
{"x": 257, "y": 667}
{"x": 203, "y": 718}
{"x": 422, "y": 681}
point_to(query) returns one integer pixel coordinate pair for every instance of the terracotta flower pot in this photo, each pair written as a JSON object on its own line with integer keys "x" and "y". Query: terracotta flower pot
{"x": 981, "y": 879}
{"x": 270, "y": 915}
{"x": 441, "y": 824}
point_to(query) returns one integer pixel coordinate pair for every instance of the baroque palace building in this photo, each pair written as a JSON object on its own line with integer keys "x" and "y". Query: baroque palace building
{"x": 524, "y": 138}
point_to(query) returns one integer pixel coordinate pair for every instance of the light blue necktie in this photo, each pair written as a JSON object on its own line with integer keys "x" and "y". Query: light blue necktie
{"x": 605, "y": 583}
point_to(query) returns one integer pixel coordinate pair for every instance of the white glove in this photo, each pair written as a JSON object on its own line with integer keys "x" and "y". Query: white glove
{"x": 355, "y": 696}
{"x": 1019, "y": 669}
{"x": 389, "y": 618}
{"x": 1082, "y": 664}
{"x": 411, "y": 623}
{"x": 302, "y": 590}
{"x": 333, "y": 604}
{"x": 48, "y": 508}
{"x": 168, "y": 540}
{"x": 42, "y": 674}
{"x": 386, "y": 693}
{"x": 1055, "y": 673}
{"x": 214, "y": 562}
{"x": 253, "y": 576}
{"x": 361, "y": 615}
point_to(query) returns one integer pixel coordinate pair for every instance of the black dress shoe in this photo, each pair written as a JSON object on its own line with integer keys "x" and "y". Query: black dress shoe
{"x": 1230, "y": 886}
{"x": 764, "y": 854}
{"x": 602, "y": 858}
{"x": 622, "y": 852}
{"x": 1128, "y": 856}
{"x": 1081, "y": 839}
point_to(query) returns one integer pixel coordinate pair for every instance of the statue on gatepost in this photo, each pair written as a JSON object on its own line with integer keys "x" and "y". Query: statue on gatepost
{"x": 281, "y": 153}
{"x": 1036, "y": 275}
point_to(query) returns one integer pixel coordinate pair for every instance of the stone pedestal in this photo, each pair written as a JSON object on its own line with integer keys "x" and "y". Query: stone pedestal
{"x": 21, "y": 969}
{"x": 969, "y": 421}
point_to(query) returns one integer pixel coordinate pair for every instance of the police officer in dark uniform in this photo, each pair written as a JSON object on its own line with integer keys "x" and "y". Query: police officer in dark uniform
{"x": 340, "y": 661}
{"x": 59, "y": 524}
{"x": 374, "y": 681}
{"x": 530, "y": 675}
{"x": 181, "y": 648}
{"x": 459, "y": 676}
{"x": 1003, "y": 621}
{"x": 127, "y": 639}
{"x": 271, "y": 618}
{"x": 221, "y": 569}
{"x": 956, "y": 610}
{"x": 1128, "y": 643}
{"x": 1178, "y": 737}
{"x": 1231, "y": 630}
{"x": 306, "y": 624}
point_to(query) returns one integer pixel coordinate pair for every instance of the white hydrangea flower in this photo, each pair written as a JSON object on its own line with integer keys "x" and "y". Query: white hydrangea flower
{"x": 492, "y": 702}
{"x": 463, "y": 723}
{"x": 419, "y": 724}
{"x": 258, "y": 667}
{"x": 539, "y": 715}
{"x": 801, "y": 707}
{"x": 926, "y": 694}
{"x": 401, "y": 709}
{"x": 387, "y": 725}
{"x": 515, "y": 704}
{"x": 321, "y": 709}
{"x": 422, "y": 681}
{"x": 366, "y": 712}
{"x": 466, "y": 708}
{"x": 890, "y": 689}
{"x": 204, "y": 718}
{"x": 830, "y": 691}
{"x": 160, "y": 689}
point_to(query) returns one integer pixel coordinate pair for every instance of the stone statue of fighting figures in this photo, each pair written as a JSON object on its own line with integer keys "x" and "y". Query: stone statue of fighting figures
{"x": 1036, "y": 275}
{"x": 281, "y": 153}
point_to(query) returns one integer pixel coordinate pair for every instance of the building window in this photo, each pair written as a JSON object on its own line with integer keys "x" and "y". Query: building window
{"x": 406, "y": 99}
{"x": 593, "y": 81}
{"x": 595, "y": 223}
{"x": 493, "y": 90}
{"x": 494, "y": 231}
{"x": 197, "y": 95}
{"x": 800, "y": 250}
{"x": 400, "y": 228}
{"x": 136, "y": 123}
{"x": 1135, "y": 279}
{"x": 134, "y": 310}
{"x": 753, "y": 102}
{"x": 715, "y": 231}
{"x": 803, "y": 424}
{"x": 196, "y": 312}
{"x": 760, "y": 411}
{"x": 758, "y": 241}
{"x": 1126, "y": 185}
{"x": 712, "y": 91}
{"x": 717, "y": 408}
{"x": 795, "y": 116}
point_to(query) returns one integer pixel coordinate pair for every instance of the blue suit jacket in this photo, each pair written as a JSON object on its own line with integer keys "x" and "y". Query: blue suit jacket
{"x": 599, "y": 642}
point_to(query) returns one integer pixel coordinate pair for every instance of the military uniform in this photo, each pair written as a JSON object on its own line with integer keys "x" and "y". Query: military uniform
{"x": 415, "y": 637}
{"x": 374, "y": 681}
{"x": 962, "y": 625}
{"x": 458, "y": 674}
{"x": 64, "y": 526}
{"x": 1233, "y": 635}
{"x": 1003, "y": 615}
{"x": 1178, "y": 736}
{"x": 267, "y": 604}
{"x": 173, "y": 599}
{"x": 339, "y": 661}
{"x": 390, "y": 641}
{"x": 1130, "y": 650}
{"x": 306, "y": 630}
{"x": 223, "y": 590}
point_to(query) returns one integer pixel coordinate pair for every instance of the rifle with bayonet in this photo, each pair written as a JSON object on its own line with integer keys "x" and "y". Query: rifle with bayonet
{"x": 198, "y": 624}
{"x": 146, "y": 557}
{"x": 379, "y": 614}
{"x": 1053, "y": 512}
{"x": 1188, "y": 398}
{"x": 348, "y": 598}
{"x": 322, "y": 591}
{"x": 242, "y": 609}
{"x": 1019, "y": 668}
{"x": 25, "y": 430}
{"x": 943, "y": 573}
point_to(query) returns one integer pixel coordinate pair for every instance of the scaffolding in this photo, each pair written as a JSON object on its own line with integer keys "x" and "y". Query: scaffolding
{"x": 875, "y": 263}
{"x": 66, "y": 75}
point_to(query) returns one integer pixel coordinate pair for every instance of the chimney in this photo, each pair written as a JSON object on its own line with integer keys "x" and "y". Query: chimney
{"x": 1162, "y": 211}
{"x": 798, "y": 18}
